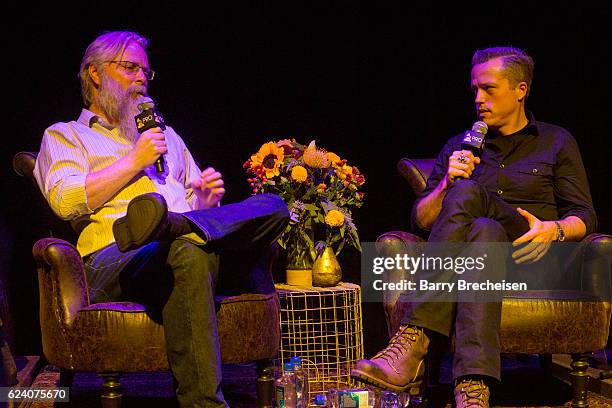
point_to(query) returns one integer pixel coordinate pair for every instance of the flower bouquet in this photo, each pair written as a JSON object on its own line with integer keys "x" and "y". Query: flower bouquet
{"x": 319, "y": 189}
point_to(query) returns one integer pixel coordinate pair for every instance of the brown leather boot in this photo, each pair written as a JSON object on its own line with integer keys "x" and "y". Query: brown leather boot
{"x": 472, "y": 394}
{"x": 399, "y": 366}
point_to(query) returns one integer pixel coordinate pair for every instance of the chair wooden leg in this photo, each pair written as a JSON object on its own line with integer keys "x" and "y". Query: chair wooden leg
{"x": 111, "y": 390}
{"x": 265, "y": 383}
{"x": 580, "y": 380}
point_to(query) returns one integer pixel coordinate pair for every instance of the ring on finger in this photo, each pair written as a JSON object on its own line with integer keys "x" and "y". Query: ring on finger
{"x": 462, "y": 158}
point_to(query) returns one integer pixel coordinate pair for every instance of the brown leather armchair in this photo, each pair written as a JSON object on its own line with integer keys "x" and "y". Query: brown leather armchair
{"x": 533, "y": 322}
{"x": 119, "y": 337}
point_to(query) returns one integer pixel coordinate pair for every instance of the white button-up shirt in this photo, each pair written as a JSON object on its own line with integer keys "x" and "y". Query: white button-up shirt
{"x": 70, "y": 151}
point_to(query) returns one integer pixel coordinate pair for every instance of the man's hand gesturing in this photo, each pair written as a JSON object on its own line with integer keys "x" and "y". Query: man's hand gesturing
{"x": 537, "y": 239}
{"x": 209, "y": 188}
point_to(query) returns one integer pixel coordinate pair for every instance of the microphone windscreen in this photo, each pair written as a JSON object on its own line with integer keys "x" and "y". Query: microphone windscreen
{"x": 474, "y": 140}
{"x": 480, "y": 127}
{"x": 144, "y": 103}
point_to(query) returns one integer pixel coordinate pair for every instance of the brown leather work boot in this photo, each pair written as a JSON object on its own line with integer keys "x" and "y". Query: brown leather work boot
{"x": 472, "y": 394}
{"x": 399, "y": 366}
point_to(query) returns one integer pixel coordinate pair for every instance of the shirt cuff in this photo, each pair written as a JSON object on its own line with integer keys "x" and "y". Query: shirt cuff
{"x": 70, "y": 198}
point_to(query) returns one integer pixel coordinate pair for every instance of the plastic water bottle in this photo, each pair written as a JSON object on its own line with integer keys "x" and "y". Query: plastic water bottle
{"x": 301, "y": 383}
{"x": 285, "y": 388}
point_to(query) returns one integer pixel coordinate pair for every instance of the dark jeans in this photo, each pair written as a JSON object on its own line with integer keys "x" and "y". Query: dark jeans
{"x": 471, "y": 214}
{"x": 176, "y": 282}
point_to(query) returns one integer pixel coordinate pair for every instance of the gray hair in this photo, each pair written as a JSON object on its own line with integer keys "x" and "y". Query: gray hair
{"x": 104, "y": 48}
{"x": 518, "y": 66}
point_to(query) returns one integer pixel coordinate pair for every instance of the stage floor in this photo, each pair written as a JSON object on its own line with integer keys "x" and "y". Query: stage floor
{"x": 523, "y": 385}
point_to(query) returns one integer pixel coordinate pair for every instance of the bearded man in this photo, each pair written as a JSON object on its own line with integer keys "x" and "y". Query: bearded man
{"x": 151, "y": 237}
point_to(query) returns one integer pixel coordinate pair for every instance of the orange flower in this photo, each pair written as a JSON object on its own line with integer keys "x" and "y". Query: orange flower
{"x": 314, "y": 157}
{"x": 321, "y": 187}
{"x": 334, "y": 218}
{"x": 268, "y": 159}
{"x": 333, "y": 158}
{"x": 299, "y": 174}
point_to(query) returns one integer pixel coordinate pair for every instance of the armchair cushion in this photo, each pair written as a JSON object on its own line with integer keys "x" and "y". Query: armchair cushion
{"x": 117, "y": 337}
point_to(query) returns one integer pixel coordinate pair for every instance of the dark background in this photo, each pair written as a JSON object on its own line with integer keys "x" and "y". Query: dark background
{"x": 371, "y": 84}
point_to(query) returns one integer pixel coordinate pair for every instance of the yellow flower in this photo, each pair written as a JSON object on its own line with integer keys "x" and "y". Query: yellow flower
{"x": 269, "y": 158}
{"x": 344, "y": 172}
{"x": 334, "y": 218}
{"x": 321, "y": 187}
{"x": 299, "y": 174}
{"x": 314, "y": 157}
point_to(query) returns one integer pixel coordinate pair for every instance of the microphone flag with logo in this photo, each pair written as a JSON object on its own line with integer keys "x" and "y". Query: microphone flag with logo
{"x": 474, "y": 140}
{"x": 150, "y": 118}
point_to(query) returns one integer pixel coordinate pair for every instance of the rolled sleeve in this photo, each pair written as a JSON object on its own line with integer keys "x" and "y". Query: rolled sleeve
{"x": 571, "y": 186}
{"x": 61, "y": 170}
{"x": 439, "y": 171}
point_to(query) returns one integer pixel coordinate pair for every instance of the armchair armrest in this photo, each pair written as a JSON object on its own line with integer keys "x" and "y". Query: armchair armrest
{"x": 416, "y": 172}
{"x": 397, "y": 237}
{"x": 595, "y": 273}
{"x": 61, "y": 279}
{"x": 390, "y": 244}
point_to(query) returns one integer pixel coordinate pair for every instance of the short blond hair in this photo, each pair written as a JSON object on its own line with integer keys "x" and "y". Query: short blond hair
{"x": 518, "y": 66}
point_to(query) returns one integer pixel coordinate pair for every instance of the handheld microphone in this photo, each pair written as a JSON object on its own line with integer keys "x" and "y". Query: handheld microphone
{"x": 149, "y": 118}
{"x": 474, "y": 140}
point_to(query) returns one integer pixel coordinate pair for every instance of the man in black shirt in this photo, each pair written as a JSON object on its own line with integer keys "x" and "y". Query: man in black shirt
{"x": 528, "y": 187}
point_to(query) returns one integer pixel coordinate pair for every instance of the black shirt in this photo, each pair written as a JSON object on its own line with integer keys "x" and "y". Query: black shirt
{"x": 538, "y": 168}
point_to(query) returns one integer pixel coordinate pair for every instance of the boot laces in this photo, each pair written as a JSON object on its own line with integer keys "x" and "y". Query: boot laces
{"x": 473, "y": 393}
{"x": 401, "y": 342}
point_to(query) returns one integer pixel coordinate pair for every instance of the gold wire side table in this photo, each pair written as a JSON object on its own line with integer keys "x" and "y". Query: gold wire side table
{"x": 323, "y": 326}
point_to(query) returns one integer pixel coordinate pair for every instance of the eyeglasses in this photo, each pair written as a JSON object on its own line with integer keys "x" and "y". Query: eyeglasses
{"x": 132, "y": 68}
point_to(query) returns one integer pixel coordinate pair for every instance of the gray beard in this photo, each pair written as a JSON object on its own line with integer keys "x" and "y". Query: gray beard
{"x": 120, "y": 105}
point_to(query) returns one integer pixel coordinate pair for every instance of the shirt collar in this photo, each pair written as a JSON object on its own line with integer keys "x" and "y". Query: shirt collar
{"x": 88, "y": 118}
{"x": 531, "y": 128}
